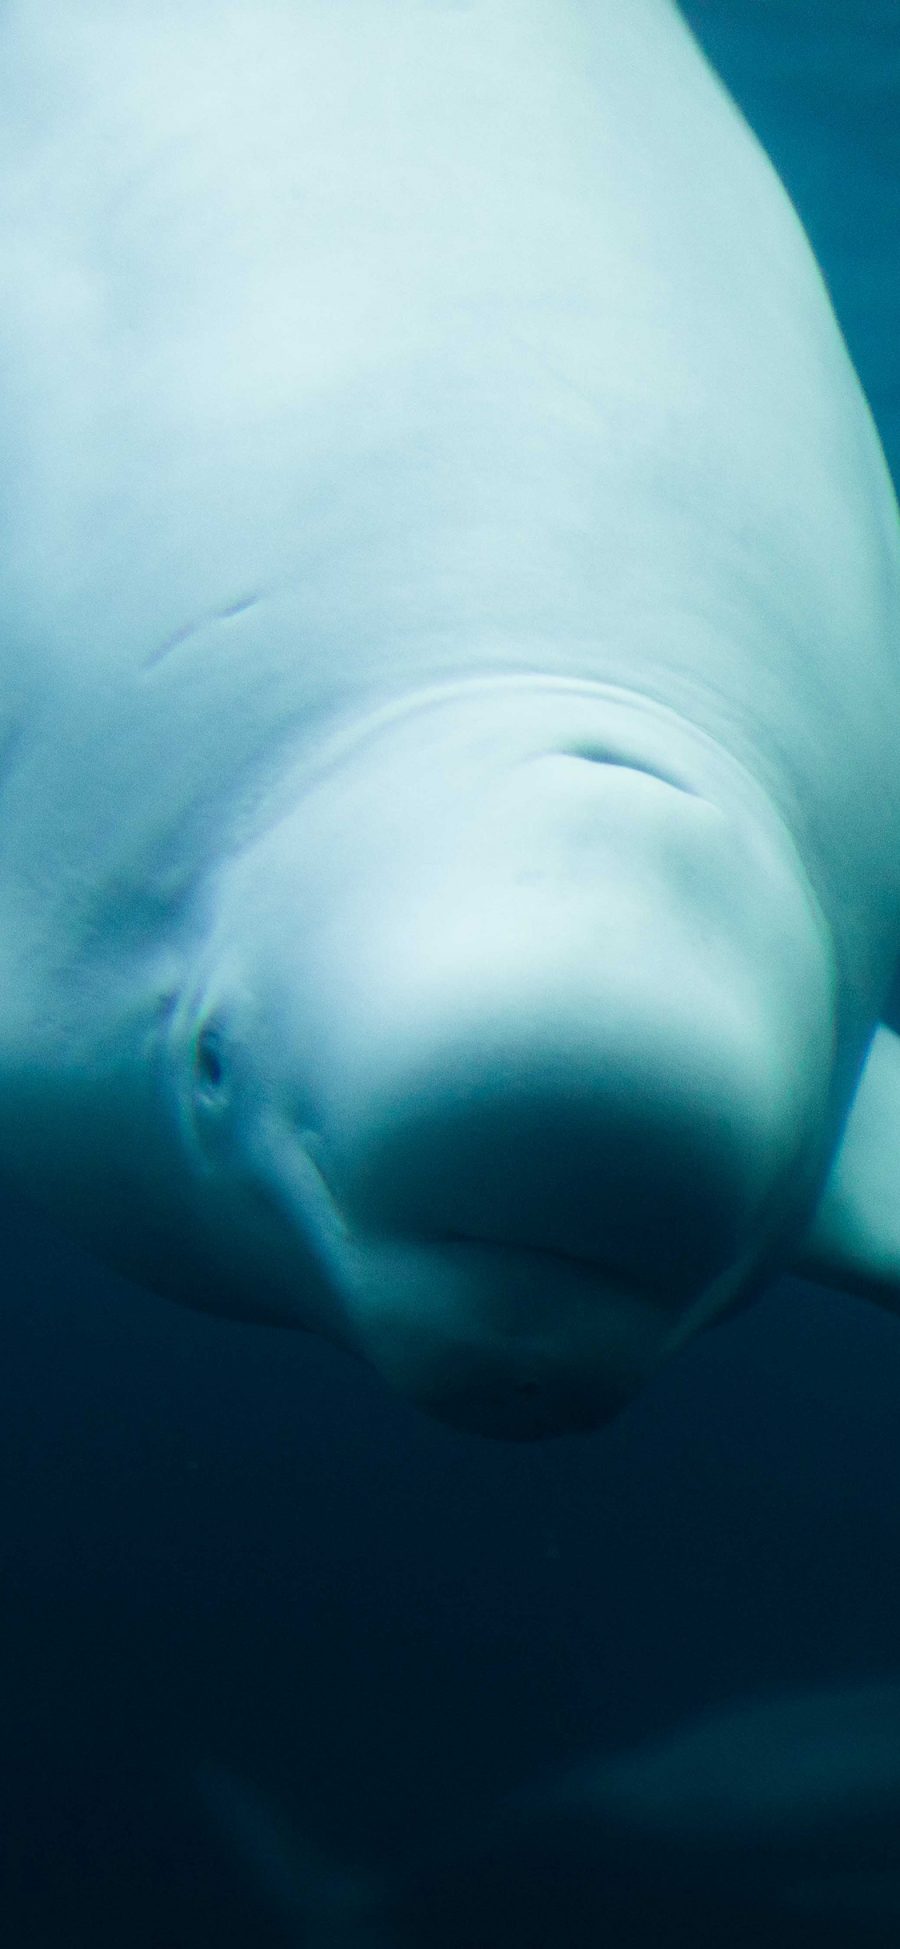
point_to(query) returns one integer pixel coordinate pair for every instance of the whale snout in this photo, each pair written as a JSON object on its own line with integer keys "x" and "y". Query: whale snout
{"x": 547, "y": 1146}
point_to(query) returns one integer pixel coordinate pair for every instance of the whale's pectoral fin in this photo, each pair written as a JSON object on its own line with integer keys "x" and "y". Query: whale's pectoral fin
{"x": 853, "y": 1240}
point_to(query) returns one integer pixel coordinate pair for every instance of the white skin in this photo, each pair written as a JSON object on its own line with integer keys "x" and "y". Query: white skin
{"x": 450, "y": 811}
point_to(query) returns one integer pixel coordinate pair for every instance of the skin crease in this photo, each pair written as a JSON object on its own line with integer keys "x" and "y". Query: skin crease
{"x": 451, "y": 826}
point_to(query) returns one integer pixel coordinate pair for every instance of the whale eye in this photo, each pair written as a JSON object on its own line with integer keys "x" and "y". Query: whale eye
{"x": 209, "y": 1062}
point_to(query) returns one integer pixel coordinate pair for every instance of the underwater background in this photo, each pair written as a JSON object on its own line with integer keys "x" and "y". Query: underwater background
{"x": 263, "y": 1629}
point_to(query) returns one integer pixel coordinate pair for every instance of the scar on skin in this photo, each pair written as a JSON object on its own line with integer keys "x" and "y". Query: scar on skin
{"x": 231, "y": 609}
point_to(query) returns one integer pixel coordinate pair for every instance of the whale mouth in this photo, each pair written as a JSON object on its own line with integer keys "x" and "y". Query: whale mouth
{"x": 506, "y": 1340}
{"x": 499, "y": 1339}
{"x": 570, "y": 1367}
{"x": 548, "y": 1259}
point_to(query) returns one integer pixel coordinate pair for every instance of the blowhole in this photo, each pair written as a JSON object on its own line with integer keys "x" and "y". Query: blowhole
{"x": 591, "y": 754}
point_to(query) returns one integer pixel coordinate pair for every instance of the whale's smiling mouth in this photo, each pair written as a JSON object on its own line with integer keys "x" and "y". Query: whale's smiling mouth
{"x": 553, "y": 1258}
{"x": 502, "y": 1340}
{"x": 510, "y": 1340}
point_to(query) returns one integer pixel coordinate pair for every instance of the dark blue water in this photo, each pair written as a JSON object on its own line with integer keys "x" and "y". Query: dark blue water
{"x": 227, "y": 1545}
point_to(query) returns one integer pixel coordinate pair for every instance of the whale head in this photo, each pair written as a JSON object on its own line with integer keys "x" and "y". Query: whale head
{"x": 501, "y": 1056}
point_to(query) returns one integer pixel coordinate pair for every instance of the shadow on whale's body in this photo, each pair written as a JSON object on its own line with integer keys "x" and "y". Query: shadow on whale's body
{"x": 451, "y": 815}
{"x": 776, "y": 1819}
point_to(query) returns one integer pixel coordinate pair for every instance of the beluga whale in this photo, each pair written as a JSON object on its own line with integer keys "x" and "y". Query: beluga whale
{"x": 450, "y": 809}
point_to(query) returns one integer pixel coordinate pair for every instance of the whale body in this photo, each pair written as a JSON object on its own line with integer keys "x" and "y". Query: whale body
{"x": 449, "y": 808}
{"x": 771, "y": 1818}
